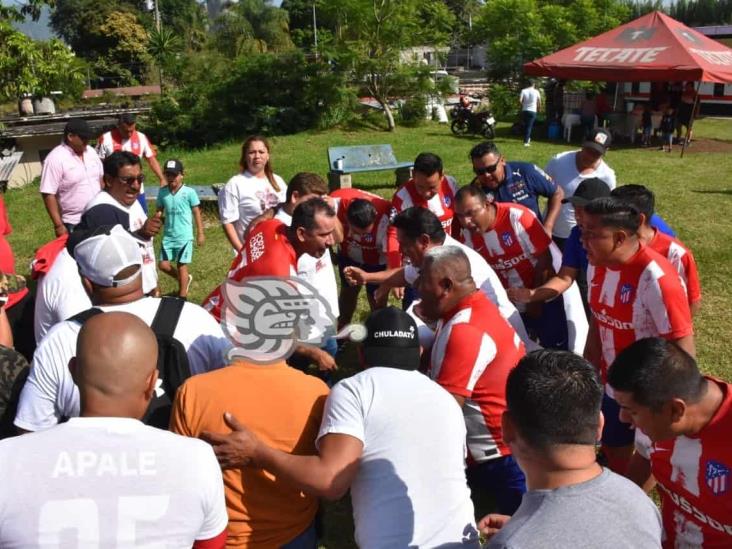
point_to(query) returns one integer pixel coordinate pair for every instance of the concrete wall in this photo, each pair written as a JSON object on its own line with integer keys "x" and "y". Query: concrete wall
{"x": 30, "y": 165}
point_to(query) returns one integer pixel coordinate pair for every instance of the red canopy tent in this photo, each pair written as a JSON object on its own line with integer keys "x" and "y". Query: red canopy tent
{"x": 651, "y": 48}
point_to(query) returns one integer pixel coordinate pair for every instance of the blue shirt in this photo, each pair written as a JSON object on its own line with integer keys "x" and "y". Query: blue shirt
{"x": 574, "y": 255}
{"x": 524, "y": 182}
{"x": 178, "y": 210}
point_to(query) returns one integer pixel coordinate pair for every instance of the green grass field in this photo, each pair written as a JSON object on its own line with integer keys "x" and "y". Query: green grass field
{"x": 693, "y": 194}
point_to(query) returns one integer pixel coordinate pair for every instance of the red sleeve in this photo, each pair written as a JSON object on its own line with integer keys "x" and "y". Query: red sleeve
{"x": 677, "y": 322}
{"x": 268, "y": 252}
{"x": 5, "y": 228}
{"x": 466, "y": 356}
{"x": 393, "y": 255}
{"x": 538, "y": 237}
{"x": 219, "y": 542}
{"x": 693, "y": 286}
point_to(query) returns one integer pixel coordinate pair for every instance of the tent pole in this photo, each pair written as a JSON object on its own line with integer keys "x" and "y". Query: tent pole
{"x": 691, "y": 120}
{"x": 615, "y": 100}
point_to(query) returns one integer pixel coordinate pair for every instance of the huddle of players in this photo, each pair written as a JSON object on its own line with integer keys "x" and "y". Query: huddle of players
{"x": 643, "y": 283}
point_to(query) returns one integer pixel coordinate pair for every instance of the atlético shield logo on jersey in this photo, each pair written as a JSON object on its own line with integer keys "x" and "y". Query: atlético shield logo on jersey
{"x": 717, "y": 477}
{"x": 447, "y": 201}
{"x": 626, "y": 293}
{"x": 507, "y": 239}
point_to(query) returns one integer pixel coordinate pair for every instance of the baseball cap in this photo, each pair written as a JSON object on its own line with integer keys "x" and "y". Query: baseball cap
{"x": 587, "y": 191}
{"x": 106, "y": 251}
{"x": 599, "y": 140}
{"x": 79, "y": 127}
{"x": 392, "y": 340}
{"x": 127, "y": 118}
{"x": 173, "y": 166}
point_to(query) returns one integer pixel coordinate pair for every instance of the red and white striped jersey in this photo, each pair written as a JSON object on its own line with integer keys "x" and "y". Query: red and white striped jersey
{"x": 474, "y": 350}
{"x": 642, "y": 298}
{"x": 513, "y": 246}
{"x": 442, "y": 205}
{"x": 694, "y": 477}
{"x": 680, "y": 257}
{"x": 267, "y": 252}
{"x": 366, "y": 249}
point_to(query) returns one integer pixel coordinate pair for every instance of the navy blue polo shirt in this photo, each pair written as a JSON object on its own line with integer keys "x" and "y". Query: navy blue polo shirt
{"x": 523, "y": 184}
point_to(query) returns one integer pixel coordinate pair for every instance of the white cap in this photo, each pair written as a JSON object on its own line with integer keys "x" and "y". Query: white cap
{"x": 101, "y": 257}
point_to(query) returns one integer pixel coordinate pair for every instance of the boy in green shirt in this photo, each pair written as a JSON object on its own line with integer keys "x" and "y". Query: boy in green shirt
{"x": 179, "y": 204}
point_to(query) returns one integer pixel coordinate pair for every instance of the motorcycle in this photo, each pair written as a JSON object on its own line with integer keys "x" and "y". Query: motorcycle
{"x": 466, "y": 121}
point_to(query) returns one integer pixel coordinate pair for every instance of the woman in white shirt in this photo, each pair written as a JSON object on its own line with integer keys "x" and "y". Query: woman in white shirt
{"x": 251, "y": 192}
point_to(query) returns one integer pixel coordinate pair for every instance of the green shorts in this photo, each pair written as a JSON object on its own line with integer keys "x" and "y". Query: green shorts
{"x": 179, "y": 252}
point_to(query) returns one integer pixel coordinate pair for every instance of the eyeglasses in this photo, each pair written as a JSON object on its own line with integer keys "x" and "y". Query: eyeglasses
{"x": 130, "y": 180}
{"x": 487, "y": 169}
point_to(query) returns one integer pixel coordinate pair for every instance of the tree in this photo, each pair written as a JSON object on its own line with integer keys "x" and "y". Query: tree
{"x": 372, "y": 38}
{"x": 109, "y": 34}
{"x": 36, "y": 67}
{"x": 163, "y": 45}
{"x": 18, "y": 11}
{"x": 517, "y": 31}
{"x": 252, "y": 26}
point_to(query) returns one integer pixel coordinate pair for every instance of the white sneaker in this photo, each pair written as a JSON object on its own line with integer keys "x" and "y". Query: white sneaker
{"x": 527, "y": 144}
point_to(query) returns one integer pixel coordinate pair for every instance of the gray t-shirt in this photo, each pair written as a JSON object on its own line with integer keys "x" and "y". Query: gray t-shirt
{"x": 606, "y": 512}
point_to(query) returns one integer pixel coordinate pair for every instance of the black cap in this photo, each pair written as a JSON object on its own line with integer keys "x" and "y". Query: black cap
{"x": 587, "y": 191}
{"x": 392, "y": 340}
{"x": 79, "y": 127}
{"x": 173, "y": 166}
{"x": 599, "y": 140}
{"x": 127, "y": 118}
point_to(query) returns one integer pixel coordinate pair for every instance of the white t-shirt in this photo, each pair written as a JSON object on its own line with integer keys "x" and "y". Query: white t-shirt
{"x": 563, "y": 169}
{"x": 137, "y": 218}
{"x": 59, "y": 295}
{"x": 108, "y": 482}
{"x": 530, "y": 99}
{"x": 50, "y": 394}
{"x": 487, "y": 281}
{"x": 410, "y": 488}
{"x": 318, "y": 272}
{"x": 245, "y": 196}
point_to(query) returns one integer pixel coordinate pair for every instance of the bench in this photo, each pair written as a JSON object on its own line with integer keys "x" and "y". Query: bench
{"x": 344, "y": 161}
{"x": 205, "y": 192}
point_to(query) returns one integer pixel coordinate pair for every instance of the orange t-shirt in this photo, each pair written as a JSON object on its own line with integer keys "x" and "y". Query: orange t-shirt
{"x": 283, "y": 407}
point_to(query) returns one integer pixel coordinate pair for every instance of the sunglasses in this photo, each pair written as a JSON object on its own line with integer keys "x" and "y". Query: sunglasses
{"x": 487, "y": 169}
{"x": 130, "y": 180}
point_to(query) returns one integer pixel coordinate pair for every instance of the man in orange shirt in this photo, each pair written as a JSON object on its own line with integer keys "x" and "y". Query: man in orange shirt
{"x": 283, "y": 407}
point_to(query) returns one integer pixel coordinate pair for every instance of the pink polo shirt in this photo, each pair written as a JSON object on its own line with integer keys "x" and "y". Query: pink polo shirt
{"x": 74, "y": 179}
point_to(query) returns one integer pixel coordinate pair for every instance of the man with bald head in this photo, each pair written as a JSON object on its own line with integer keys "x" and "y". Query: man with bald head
{"x": 104, "y": 479}
{"x": 474, "y": 350}
{"x": 110, "y": 266}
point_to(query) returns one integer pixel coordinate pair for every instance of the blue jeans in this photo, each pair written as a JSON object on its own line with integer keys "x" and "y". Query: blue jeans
{"x": 529, "y": 119}
{"x": 307, "y": 540}
{"x": 503, "y": 479}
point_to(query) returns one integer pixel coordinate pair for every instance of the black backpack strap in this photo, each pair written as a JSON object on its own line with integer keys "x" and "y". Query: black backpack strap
{"x": 83, "y": 316}
{"x": 167, "y": 315}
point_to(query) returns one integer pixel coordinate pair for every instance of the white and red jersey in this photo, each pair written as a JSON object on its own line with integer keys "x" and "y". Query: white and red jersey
{"x": 680, "y": 257}
{"x": 694, "y": 475}
{"x": 267, "y": 252}
{"x": 112, "y": 141}
{"x": 474, "y": 350}
{"x": 442, "y": 205}
{"x": 644, "y": 297}
{"x": 370, "y": 248}
{"x": 513, "y": 246}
